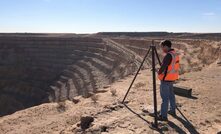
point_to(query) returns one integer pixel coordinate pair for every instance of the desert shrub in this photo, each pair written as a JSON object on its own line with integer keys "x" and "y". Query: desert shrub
{"x": 182, "y": 70}
{"x": 94, "y": 98}
{"x": 204, "y": 61}
{"x": 188, "y": 59}
{"x": 113, "y": 91}
{"x": 61, "y": 107}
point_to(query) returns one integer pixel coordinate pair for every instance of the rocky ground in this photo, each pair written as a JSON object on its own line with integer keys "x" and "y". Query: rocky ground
{"x": 109, "y": 116}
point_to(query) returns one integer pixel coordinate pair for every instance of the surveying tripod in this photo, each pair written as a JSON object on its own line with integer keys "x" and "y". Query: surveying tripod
{"x": 153, "y": 53}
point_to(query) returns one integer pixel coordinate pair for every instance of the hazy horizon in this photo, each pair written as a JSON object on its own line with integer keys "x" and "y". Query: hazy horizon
{"x": 104, "y": 32}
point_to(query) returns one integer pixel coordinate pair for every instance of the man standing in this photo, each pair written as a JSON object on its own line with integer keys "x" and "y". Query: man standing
{"x": 167, "y": 74}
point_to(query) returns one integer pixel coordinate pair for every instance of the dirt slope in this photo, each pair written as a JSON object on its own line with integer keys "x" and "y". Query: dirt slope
{"x": 111, "y": 117}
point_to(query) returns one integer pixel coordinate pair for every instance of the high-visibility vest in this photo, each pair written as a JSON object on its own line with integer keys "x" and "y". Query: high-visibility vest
{"x": 172, "y": 72}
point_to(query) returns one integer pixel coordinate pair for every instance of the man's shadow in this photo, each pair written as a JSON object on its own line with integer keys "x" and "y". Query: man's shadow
{"x": 186, "y": 123}
{"x": 177, "y": 128}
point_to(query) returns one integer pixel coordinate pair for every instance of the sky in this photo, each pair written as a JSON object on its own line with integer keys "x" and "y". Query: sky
{"x": 91, "y": 16}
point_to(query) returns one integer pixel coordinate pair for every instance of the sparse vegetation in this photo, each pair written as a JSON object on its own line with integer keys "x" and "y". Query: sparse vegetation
{"x": 94, "y": 98}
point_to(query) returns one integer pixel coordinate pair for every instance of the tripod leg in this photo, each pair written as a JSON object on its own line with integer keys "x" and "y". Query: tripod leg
{"x": 154, "y": 86}
{"x": 136, "y": 75}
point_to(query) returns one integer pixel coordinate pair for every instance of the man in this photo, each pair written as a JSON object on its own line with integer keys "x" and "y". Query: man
{"x": 167, "y": 74}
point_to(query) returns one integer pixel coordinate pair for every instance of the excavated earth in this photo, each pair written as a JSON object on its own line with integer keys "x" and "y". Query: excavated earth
{"x": 49, "y": 82}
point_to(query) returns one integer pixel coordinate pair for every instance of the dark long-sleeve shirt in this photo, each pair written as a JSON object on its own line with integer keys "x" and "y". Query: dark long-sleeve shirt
{"x": 166, "y": 62}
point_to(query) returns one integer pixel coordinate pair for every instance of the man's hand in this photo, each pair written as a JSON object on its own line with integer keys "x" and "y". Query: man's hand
{"x": 158, "y": 71}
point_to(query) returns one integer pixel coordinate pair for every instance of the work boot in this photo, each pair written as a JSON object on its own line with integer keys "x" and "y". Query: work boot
{"x": 172, "y": 113}
{"x": 161, "y": 118}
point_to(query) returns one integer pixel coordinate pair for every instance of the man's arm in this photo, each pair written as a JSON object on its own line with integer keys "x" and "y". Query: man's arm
{"x": 166, "y": 62}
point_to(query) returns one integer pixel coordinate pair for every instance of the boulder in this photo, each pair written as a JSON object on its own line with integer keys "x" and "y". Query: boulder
{"x": 86, "y": 122}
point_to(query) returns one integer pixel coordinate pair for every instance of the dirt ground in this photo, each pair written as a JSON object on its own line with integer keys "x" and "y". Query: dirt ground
{"x": 203, "y": 110}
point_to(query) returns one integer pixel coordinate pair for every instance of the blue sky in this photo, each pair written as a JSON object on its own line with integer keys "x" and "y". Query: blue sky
{"x": 90, "y": 16}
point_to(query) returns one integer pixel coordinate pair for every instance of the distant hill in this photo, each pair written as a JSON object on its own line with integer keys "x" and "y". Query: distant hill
{"x": 213, "y": 36}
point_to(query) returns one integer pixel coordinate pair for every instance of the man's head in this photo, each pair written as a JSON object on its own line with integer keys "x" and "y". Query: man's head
{"x": 166, "y": 45}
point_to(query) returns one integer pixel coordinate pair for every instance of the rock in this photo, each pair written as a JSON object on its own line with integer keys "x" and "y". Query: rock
{"x": 126, "y": 101}
{"x": 147, "y": 109}
{"x": 178, "y": 104}
{"x": 203, "y": 124}
{"x": 96, "y": 129}
{"x": 121, "y": 106}
{"x": 143, "y": 114}
{"x": 100, "y": 91}
{"x": 217, "y": 121}
{"x": 207, "y": 121}
{"x": 114, "y": 107}
{"x": 86, "y": 122}
{"x": 75, "y": 101}
{"x": 103, "y": 128}
{"x": 124, "y": 125}
{"x": 165, "y": 128}
{"x": 107, "y": 86}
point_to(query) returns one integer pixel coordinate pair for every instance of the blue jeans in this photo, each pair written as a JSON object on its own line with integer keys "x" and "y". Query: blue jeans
{"x": 167, "y": 95}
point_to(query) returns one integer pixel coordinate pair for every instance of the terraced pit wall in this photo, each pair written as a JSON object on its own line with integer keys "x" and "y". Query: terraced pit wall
{"x": 38, "y": 69}
{"x": 35, "y": 70}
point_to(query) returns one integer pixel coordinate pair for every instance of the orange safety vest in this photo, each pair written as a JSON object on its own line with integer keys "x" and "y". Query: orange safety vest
{"x": 172, "y": 72}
